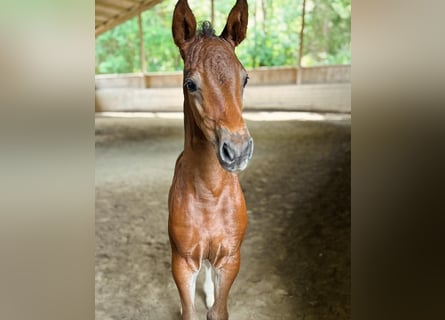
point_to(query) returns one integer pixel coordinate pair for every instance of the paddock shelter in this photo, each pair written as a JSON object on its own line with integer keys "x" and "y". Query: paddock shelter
{"x": 296, "y": 252}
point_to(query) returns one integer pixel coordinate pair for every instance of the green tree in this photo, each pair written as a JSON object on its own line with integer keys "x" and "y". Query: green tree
{"x": 327, "y": 32}
{"x": 117, "y": 50}
{"x": 160, "y": 51}
{"x": 272, "y": 36}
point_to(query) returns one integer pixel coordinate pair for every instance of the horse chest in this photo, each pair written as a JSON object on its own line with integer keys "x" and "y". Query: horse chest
{"x": 216, "y": 248}
{"x": 204, "y": 227}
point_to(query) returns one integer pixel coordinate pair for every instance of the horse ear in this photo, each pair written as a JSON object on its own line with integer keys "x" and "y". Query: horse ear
{"x": 236, "y": 27}
{"x": 183, "y": 26}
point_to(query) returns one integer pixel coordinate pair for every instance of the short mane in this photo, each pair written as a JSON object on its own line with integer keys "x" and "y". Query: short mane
{"x": 206, "y": 29}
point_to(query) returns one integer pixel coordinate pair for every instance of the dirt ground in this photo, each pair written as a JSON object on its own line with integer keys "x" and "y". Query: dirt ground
{"x": 296, "y": 253}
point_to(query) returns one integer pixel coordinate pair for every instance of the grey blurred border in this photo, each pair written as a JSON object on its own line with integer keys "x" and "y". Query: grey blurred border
{"x": 47, "y": 160}
{"x": 398, "y": 107}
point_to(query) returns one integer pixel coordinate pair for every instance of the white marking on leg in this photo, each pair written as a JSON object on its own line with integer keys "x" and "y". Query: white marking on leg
{"x": 209, "y": 288}
{"x": 192, "y": 286}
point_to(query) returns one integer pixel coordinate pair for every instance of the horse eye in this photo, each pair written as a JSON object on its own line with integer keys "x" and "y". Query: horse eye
{"x": 245, "y": 81}
{"x": 190, "y": 85}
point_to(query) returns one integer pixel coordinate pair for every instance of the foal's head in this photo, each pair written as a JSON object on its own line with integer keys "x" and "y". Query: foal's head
{"x": 214, "y": 80}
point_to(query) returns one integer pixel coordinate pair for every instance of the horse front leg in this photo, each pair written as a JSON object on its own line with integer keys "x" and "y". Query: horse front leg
{"x": 185, "y": 279}
{"x": 224, "y": 277}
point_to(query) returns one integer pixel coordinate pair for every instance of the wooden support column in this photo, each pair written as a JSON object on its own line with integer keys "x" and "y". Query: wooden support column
{"x": 300, "y": 50}
{"x": 212, "y": 12}
{"x": 141, "y": 44}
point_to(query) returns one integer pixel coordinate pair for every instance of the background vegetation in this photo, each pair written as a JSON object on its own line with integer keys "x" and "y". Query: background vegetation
{"x": 272, "y": 38}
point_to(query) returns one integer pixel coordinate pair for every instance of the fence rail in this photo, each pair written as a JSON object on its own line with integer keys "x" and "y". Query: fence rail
{"x": 260, "y": 76}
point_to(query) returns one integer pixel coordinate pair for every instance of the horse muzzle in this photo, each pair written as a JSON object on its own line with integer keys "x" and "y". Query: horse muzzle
{"x": 234, "y": 149}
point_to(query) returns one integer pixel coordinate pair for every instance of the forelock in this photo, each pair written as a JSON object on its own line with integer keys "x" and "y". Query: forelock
{"x": 206, "y": 29}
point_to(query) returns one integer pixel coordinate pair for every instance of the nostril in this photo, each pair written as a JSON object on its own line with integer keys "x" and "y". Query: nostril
{"x": 227, "y": 153}
{"x": 250, "y": 148}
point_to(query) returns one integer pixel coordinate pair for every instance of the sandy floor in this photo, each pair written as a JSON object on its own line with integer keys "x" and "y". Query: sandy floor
{"x": 296, "y": 253}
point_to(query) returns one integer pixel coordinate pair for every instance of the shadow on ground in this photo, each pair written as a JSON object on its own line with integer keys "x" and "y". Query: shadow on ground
{"x": 296, "y": 253}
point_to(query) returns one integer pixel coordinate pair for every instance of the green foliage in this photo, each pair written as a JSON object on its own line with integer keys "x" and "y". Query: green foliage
{"x": 160, "y": 51}
{"x": 327, "y": 32}
{"x": 117, "y": 51}
{"x": 272, "y": 37}
{"x": 273, "y": 34}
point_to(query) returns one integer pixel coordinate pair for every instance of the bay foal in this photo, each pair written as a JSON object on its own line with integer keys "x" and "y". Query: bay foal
{"x": 207, "y": 211}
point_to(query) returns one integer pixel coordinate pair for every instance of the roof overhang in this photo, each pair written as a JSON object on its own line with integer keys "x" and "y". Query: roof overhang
{"x": 110, "y": 13}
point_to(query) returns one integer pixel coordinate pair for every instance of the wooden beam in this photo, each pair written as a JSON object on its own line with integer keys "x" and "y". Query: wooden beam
{"x": 101, "y": 18}
{"x": 141, "y": 44}
{"x": 110, "y": 6}
{"x": 108, "y": 11}
{"x": 102, "y": 4}
{"x": 300, "y": 49}
{"x": 144, "y": 5}
{"x": 120, "y": 3}
{"x": 212, "y": 12}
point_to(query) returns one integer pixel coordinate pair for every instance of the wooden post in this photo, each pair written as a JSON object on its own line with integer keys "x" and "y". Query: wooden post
{"x": 300, "y": 50}
{"x": 212, "y": 12}
{"x": 141, "y": 44}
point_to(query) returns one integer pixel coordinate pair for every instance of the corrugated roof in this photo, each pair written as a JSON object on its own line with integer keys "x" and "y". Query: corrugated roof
{"x": 110, "y": 13}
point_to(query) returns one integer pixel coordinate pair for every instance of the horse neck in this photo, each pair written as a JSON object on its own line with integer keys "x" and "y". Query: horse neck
{"x": 193, "y": 136}
{"x": 199, "y": 153}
